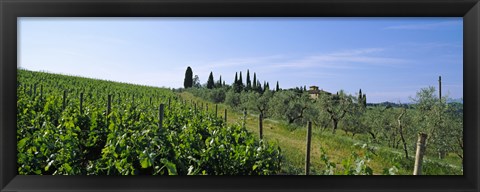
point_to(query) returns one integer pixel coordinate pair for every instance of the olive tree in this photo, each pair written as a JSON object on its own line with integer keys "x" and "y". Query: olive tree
{"x": 337, "y": 106}
{"x": 289, "y": 105}
{"x": 438, "y": 121}
{"x": 258, "y": 102}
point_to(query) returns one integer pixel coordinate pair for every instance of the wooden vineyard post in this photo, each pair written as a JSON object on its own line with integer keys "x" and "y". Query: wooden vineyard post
{"x": 225, "y": 116}
{"x": 206, "y": 108}
{"x": 150, "y": 100}
{"x": 417, "y": 169}
{"x": 160, "y": 117}
{"x": 309, "y": 141}
{"x": 195, "y": 107}
{"x": 216, "y": 110}
{"x": 81, "y": 103}
{"x": 260, "y": 125}
{"x": 64, "y": 99}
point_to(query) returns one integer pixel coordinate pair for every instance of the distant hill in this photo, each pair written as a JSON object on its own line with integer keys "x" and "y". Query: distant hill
{"x": 387, "y": 104}
{"x": 408, "y": 105}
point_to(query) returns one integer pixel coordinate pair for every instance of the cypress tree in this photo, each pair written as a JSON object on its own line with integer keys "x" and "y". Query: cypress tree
{"x": 240, "y": 80}
{"x": 364, "y": 100}
{"x": 210, "y": 82}
{"x": 236, "y": 79}
{"x": 236, "y": 85}
{"x": 249, "y": 83}
{"x": 188, "y": 81}
{"x": 254, "y": 81}
{"x": 259, "y": 86}
{"x": 220, "y": 82}
{"x": 278, "y": 87}
{"x": 360, "y": 97}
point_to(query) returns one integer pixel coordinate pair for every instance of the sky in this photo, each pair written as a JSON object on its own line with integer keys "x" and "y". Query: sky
{"x": 390, "y": 59}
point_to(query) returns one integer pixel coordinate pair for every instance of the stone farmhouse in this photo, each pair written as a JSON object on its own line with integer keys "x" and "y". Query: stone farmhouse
{"x": 314, "y": 92}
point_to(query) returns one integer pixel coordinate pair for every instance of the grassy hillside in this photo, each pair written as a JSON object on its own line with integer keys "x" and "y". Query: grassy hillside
{"x": 330, "y": 153}
{"x": 337, "y": 147}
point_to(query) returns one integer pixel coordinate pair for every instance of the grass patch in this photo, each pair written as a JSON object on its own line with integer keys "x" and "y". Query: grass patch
{"x": 339, "y": 146}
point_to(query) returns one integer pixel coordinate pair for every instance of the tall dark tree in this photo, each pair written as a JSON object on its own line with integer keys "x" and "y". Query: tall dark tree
{"x": 259, "y": 87}
{"x": 188, "y": 81}
{"x": 249, "y": 83}
{"x": 236, "y": 79}
{"x": 278, "y": 87}
{"x": 360, "y": 97}
{"x": 240, "y": 80}
{"x": 210, "y": 82}
{"x": 219, "y": 82}
{"x": 364, "y": 100}
{"x": 236, "y": 84}
{"x": 254, "y": 81}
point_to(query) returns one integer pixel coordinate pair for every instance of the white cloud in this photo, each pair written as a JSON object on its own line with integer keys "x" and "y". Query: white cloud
{"x": 345, "y": 59}
{"x": 426, "y": 26}
{"x": 348, "y": 59}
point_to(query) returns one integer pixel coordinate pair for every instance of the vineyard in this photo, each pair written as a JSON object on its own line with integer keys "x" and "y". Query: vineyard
{"x": 70, "y": 125}
{"x": 77, "y": 126}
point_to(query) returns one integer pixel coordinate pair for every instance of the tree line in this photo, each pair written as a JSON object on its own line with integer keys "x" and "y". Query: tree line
{"x": 389, "y": 124}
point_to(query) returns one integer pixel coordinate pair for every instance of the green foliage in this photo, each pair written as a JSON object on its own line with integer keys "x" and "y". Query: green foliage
{"x": 249, "y": 83}
{"x": 387, "y": 124}
{"x": 337, "y": 106}
{"x": 355, "y": 164}
{"x": 233, "y": 99}
{"x": 441, "y": 121}
{"x": 196, "y": 82}
{"x": 290, "y": 106}
{"x": 128, "y": 140}
{"x": 258, "y": 102}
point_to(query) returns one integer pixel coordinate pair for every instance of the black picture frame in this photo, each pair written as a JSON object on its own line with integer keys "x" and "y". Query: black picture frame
{"x": 10, "y": 10}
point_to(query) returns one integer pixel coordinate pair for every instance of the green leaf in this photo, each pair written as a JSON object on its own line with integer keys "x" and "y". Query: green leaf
{"x": 48, "y": 165}
{"x": 145, "y": 163}
{"x": 67, "y": 167}
{"x": 22, "y": 143}
{"x": 172, "y": 168}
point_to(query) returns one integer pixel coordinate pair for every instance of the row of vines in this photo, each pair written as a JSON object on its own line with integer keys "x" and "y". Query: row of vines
{"x": 77, "y": 126}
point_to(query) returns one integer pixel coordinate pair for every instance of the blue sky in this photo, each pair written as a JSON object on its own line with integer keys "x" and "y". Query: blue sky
{"x": 390, "y": 59}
